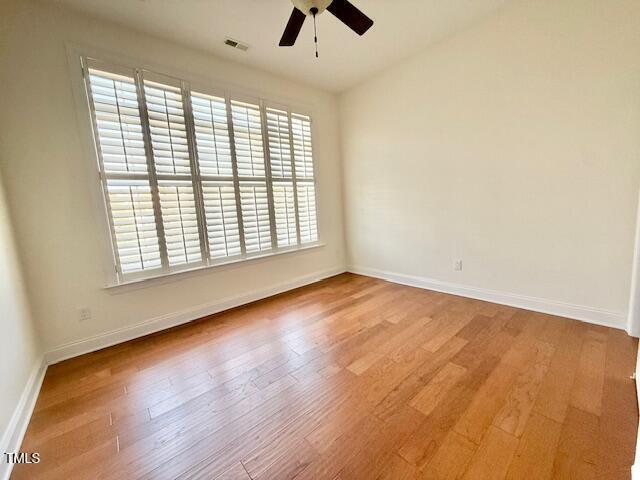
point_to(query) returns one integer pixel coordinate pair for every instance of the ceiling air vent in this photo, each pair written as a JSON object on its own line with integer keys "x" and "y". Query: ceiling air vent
{"x": 236, "y": 44}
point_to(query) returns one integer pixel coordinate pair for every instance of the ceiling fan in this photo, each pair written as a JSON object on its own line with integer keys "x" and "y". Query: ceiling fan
{"x": 341, "y": 9}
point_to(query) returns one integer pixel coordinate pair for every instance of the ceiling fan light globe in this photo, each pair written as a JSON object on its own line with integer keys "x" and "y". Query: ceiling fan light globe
{"x": 305, "y": 6}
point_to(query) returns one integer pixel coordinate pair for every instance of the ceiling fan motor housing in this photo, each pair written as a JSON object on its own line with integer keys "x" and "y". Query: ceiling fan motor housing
{"x": 305, "y": 6}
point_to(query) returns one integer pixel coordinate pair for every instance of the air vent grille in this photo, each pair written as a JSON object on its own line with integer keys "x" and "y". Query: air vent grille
{"x": 236, "y": 44}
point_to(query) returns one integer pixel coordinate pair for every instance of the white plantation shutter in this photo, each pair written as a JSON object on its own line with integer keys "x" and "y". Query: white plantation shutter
{"x": 250, "y": 161}
{"x": 213, "y": 148}
{"x": 192, "y": 179}
{"x": 303, "y": 151}
{"x": 306, "y": 195}
{"x": 247, "y": 132}
{"x": 255, "y": 216}
{"x": 172, "y": 161}
{"x": 134, "y": 225}
{"x": 278, "y": 132}
{"x": 212, "y": 135}
{"x": 118, "y": 125}
{"x": 119, "y": 141}
{"x": 168, "y": 128}
{"x": 279, "y": 143}
{"x": 285, "y": 213}
{"x": 222, "y": 219}
{"x": 305, "y": 181}
{"x": 180, "y": 222}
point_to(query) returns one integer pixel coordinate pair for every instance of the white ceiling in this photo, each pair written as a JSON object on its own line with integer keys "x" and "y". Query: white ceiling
{"x": 402, "y": 27}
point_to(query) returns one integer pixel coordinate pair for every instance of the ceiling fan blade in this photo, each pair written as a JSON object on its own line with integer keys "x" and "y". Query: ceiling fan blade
{"x": 292, "y": 29}
{"x": 350, "y": 16}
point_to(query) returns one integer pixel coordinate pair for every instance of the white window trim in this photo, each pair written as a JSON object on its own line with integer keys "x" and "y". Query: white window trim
{"x": 114, "y": 64}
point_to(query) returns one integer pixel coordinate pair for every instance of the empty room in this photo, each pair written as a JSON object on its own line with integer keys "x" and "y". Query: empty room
{"x": 319, "y": 239}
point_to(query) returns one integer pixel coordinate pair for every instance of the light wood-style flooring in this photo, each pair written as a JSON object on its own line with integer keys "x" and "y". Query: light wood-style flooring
{"x": 349, "y": 378}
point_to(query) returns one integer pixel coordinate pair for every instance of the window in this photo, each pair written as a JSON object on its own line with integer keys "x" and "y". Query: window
{"x": 192, "y": 179}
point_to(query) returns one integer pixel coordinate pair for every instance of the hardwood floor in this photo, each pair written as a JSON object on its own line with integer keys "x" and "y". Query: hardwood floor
{"x": 349, "y": 378}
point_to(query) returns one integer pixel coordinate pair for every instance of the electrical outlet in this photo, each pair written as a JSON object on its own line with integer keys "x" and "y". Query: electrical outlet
{"x": 85, "y": 314}
{"x": 457, "y": 265}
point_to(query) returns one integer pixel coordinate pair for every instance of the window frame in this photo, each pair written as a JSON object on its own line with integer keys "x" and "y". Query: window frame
{"x": 187, "y": 88}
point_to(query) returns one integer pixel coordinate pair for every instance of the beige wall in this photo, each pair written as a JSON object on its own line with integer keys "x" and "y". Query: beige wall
{"x": 19, "y": 349}
{"x": 54, "y": 193}
{"x": 515, "y": 146}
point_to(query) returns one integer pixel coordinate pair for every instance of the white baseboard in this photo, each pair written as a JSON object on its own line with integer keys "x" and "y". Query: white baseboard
{"x": 13, "y": 435}
{"x": 163, "y": 322}
{"x": 596, "y": 316}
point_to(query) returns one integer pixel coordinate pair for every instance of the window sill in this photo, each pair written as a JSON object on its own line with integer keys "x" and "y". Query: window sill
{"x": 188, "y": 272}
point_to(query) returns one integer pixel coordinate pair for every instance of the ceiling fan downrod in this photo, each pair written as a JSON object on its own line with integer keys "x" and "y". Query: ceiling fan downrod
{"x": 314, "y": 12}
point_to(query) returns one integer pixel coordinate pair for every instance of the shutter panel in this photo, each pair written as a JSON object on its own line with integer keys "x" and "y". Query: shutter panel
{"x": 222, "y": 220}
{"x": 117, "y": 122}
{"x": 212, "y": 135}
{"x": 307, "y": 212}
{"x": 279, "y": 141}
{"x": 285, "y": 212}
{"x": 167, "y": 128}
{"x": 134, "y": 225}
{"x": 213, "y": 148}
{"x": 254, "y": 200}
{"x": 303, "y": 152}
{"x": 120, "y": 145}
{"x": 305, "y": 183}
{"x": 255, "y": 216}
{"x": 247, "y": 133}
{"x": 180, "y": 222}
{"x": 170, "y": 147}
{"x": 279, "y": 144}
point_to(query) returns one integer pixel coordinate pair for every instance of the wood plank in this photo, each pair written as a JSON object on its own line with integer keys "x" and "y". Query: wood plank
{"x": 536, "y": 450}
{"x": 589, "y": 382}
{"x": 493, "y": 456}
{"x": 237, "y": 472}
{"x": 397, "y": 468}
{"x": 577, "y": 453}
{"x": 438, "y": 388}
{"x": 555, "y": 391}
{"x": 513, "y": 416}
{"x": 451, "y": 459}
